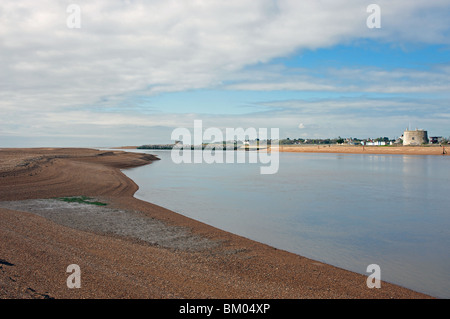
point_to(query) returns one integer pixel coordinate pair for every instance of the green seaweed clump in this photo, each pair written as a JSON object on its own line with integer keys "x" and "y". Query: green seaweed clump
{"x": 81, "y": 200}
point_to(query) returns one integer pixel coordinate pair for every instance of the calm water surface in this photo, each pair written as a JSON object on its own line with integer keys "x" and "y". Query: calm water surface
{"x": 342, "y": 209}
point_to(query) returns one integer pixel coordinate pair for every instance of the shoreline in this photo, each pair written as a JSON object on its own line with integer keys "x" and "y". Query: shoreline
{"x": 117, "y": 267}
{"x": 353, "y": 149}
{"x": 373, "y": 150}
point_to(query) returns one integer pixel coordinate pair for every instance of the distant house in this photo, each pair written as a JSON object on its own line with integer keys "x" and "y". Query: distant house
{"x": 435, "y": 139}
{"x": 375, "y": 143}
{"x": 351, "y": 141}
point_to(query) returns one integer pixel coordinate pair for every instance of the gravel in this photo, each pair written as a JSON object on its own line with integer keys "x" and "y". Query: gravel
{"x": 109, "y": 221}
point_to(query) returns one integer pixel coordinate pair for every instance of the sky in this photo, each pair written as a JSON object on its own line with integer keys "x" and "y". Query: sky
{"x": 130, "y": 72}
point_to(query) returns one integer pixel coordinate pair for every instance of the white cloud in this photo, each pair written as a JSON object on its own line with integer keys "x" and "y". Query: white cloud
{"x": 361, "y": 79}
{"x": 148, "y": 47}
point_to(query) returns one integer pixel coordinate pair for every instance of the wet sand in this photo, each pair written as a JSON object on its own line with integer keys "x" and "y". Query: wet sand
{"x": 36, "y": 248}
{"x": 400, "y": 150}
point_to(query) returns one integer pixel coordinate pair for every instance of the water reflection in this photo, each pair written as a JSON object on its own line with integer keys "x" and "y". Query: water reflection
{"x": 346, "y": 210}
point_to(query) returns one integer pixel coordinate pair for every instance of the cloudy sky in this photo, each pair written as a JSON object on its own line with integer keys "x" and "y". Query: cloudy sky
{"x": 136, "y": 70}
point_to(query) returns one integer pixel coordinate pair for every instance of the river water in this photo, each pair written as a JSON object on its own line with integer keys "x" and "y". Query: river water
{"x": 347, "y": 210}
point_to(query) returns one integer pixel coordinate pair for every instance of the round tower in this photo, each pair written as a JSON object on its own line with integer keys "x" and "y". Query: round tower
{"x": 417, "y": 137}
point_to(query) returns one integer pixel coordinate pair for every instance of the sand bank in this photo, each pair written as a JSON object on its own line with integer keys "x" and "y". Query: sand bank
{"x": 35, "y": 248}
{"x": 354, "y": 149}
{"x": 400, "y": 150}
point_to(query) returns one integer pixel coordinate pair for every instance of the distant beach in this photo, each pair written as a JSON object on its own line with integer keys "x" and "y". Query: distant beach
{"x": 356, "y": 149}
{"x": 35, "y": 250}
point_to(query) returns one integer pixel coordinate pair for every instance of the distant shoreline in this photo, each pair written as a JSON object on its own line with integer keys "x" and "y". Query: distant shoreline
{"x": 355, "y": 149}
{"x": 124, "y": 147}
